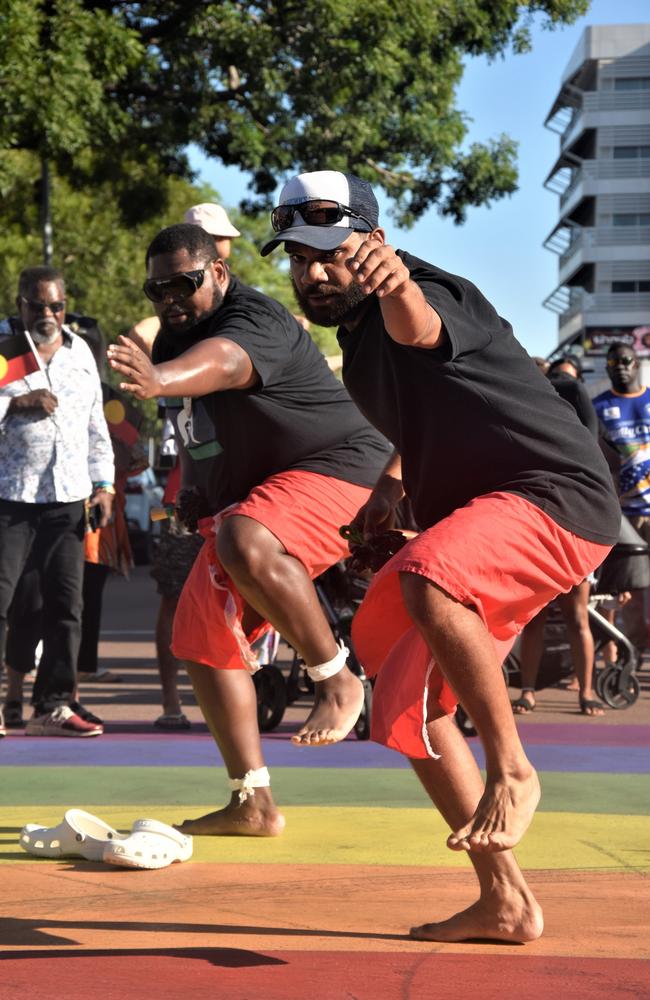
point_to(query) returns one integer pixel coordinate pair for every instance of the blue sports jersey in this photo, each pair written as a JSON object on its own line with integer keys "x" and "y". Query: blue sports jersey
{"x": 626, "y": 423}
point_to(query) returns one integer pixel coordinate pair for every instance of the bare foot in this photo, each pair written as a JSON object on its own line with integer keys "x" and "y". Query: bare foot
{"x": 337, "y": 706}
{"x": 572, "y": 684}
{"x": 237, "y": 819}
{"x": 502, "y": 816}
{"x": 510, "y": 916}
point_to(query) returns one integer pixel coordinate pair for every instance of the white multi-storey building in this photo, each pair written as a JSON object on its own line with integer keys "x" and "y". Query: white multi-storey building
{"x": 602, "y": 177}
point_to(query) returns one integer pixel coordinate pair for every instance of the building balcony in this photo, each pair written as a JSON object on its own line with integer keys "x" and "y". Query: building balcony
{"x": 602, "y": 108}
{"x": 604, "y": 243}
{"x": 600, "y": 308}
{"x": 595, "y": 177}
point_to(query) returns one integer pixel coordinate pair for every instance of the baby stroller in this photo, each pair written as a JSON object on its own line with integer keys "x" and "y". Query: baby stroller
{"x": 340, "y": 592}
{"x": 626, "y": 568}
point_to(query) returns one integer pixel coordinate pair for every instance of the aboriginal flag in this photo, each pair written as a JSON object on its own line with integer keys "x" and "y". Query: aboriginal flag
{"x": 17, "y": 358}
{"x": 123, "y": 419}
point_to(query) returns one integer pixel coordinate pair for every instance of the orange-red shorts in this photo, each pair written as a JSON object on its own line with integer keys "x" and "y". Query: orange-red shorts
{"x": 304, "y": 510}
{"x": 500, "y": 555}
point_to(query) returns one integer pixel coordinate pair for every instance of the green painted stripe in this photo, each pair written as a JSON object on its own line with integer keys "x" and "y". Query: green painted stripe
{"x": 624, "y": 794}
{"x": 366, "y": 835}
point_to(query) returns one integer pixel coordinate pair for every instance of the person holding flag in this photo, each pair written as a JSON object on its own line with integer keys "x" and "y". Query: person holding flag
{"x": 55, "y": 454}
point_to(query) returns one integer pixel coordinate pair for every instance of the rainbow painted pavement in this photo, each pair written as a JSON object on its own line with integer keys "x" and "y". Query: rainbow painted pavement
{"x": 321, "y": 912}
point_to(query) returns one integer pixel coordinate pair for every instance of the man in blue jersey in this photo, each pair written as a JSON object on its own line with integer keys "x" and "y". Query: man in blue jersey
{"x": 624, "y": 412}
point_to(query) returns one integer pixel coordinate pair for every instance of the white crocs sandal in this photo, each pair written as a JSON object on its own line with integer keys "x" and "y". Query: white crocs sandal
{"x": 151, "y": 844}
{"x": 78, "y": 835}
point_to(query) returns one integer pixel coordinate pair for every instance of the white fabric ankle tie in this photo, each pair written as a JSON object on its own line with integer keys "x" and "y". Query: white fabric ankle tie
{"x": 322, "y": 671}
{"x": 251, "y": 780}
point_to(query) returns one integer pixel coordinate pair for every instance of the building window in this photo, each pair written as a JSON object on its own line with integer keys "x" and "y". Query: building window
{"x": 630, "y": 286}
{"x": 631, "y": 152}
{"x": 632, "y": 83}
{"x": 631, "y": 219}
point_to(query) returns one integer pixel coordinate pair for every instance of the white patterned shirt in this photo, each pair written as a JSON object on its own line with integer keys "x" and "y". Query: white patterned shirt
{"x": 57, "y": 458}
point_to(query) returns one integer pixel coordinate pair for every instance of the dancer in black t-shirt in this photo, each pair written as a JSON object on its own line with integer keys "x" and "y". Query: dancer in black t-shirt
{"x": 510, "y": 489}
{"x": 277, "y": 450}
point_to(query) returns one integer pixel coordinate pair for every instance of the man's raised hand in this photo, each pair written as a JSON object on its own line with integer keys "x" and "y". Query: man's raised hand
{"x": 141, "y": 378}
{"x": 377, "y": 268}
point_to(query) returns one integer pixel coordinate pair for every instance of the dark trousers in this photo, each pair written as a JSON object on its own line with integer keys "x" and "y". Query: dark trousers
{"x": 52, "y": 535}
{"x": 25, "y": 619}
{"x": 95, "y": 577}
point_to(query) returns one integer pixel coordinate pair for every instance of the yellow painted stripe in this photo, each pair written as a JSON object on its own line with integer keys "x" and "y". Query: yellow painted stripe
{"x": 350, "y": 835}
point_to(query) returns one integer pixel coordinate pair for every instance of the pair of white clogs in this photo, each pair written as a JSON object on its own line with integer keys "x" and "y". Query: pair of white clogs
{"x": 150, "y": 844}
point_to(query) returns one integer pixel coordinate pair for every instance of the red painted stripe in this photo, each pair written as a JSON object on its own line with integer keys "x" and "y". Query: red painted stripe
{"x": 247, "y": 973}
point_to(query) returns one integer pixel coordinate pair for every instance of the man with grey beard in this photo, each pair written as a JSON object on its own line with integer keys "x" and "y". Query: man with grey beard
{"x": 55, "y": 454}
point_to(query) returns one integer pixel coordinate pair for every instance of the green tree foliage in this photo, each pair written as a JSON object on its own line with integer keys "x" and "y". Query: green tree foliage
{"x": 116, "y": 91}
{"x": 103, "y": 259}
{"x": 111, "y": 94}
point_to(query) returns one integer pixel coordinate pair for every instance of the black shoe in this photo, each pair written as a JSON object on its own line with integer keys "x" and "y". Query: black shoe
{"x": 84, "y": 714}
{"x": 13, "y": 713}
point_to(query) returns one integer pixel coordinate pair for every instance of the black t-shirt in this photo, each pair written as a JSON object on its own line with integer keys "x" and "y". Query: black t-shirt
{"x": 298, "y": 415}
{"x": 476, "y": 415}
{"x": 571, "y": 389}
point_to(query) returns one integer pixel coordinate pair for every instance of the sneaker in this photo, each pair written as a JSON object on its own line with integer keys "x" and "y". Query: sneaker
{"x": 62, "y": 721}
{"x": 85, "y": 713}
{"x": 3, "y": 731}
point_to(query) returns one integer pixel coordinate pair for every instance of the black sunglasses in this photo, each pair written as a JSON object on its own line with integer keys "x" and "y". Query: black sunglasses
{"x": 40, "y": 307}
{"x": 314, "y": 213}
{"x": 177, "y": 286}
{"x": 623, "y": 359}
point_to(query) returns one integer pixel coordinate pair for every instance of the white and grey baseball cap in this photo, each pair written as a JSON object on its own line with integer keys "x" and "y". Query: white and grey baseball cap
{"x": 342, "y": 203}
{"x": 213, "y": 218}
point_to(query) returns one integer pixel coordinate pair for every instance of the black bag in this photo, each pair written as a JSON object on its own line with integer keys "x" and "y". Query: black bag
{"x": 627, "y": 567}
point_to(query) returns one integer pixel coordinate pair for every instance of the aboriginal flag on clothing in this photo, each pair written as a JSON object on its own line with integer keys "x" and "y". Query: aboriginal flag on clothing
{"x": 122, "y": 417}
{"x": 17, "y": 358}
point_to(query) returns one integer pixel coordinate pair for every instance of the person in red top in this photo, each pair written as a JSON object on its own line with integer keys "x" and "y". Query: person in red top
{"x": 513, "y": 498}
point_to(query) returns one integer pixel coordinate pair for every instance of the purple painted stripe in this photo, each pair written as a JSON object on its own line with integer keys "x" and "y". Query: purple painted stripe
{"x": 199, "y": 751}
{"x": 580, "y": 733}
{"x": 585, "y": 732}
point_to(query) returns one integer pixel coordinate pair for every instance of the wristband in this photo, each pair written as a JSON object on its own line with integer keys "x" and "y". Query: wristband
{"x": 103, "y": 488}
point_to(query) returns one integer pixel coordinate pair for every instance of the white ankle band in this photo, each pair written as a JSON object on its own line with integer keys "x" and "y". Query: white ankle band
{"x": 251, "y": 780}
{"x": 322, "y": 671}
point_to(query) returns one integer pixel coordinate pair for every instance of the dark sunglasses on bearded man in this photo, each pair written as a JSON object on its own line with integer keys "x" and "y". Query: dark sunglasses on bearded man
{"x": 176, "y": 286}
{"x": 314, "y": 213}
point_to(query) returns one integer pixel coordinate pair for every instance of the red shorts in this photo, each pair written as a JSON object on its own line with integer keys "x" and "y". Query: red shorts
{"x": 500, "y": 555}
{"x": 304, "y": 510}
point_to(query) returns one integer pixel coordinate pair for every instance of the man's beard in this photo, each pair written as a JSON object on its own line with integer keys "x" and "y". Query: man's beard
{"x": 192, "y": 321}
{"x": 47, "y": 335}
{"x": 337, "y": 308}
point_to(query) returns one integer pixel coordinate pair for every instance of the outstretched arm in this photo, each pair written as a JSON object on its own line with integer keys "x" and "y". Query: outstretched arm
{"x": 210, "y": 366}
{"x": 408, "y": 317}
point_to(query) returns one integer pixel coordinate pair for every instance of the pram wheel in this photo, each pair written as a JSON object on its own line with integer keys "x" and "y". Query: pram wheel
{"x": 615, "y": 690}
{"x": 362, "y": 725}
{"x": 271, "y": 697}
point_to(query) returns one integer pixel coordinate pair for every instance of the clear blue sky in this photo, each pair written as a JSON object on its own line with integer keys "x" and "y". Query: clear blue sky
{"x": 498, "y": 248}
